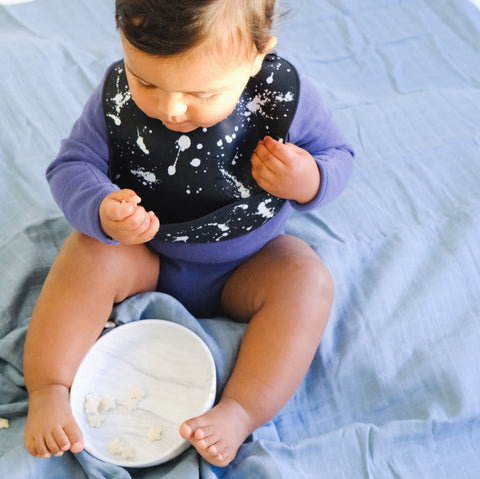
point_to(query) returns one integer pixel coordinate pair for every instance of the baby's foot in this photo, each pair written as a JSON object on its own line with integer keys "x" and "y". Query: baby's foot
{"x": 50, "y": 427}
{"x": 218, "y": 433}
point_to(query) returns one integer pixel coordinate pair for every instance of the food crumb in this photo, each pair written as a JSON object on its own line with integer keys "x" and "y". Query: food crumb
{"x": 107, "y": 403}
{"x": 119, "y": 448}
{"x": 92, "y": 403}
{"x": 95, "y": 405}
{"x": 4, "y": 423}
{"x": 136, "y": 394}
{"x": 154, "y": 434}
{"x": 95, "y": 420}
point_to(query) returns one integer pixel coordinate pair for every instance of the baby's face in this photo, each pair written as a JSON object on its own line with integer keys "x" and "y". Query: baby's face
{"x": 188, "y": 91}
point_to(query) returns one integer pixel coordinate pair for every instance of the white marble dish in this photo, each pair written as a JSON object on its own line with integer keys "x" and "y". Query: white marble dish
{"x": 176, "y": 372}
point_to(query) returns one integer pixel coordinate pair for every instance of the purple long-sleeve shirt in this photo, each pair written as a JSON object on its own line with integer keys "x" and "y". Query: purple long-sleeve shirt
{"x": 79, "y": 179}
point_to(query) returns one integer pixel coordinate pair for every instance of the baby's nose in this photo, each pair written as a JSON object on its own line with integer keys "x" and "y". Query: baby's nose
{"x": 174, "y": 105}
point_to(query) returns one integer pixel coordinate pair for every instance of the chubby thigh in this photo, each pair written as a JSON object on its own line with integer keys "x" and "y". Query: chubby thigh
{"x": 105, "y": 272}
{"x": 286, "y": 274}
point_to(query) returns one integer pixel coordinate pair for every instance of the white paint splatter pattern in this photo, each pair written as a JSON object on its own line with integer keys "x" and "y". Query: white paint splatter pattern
{"x": 141, "y": 143}
{"x": 224, "y": 228}
{"x": 183, "y": 143}
{"x": 287, "y": 97}
{"x": 243, "y": 191}
{"x": 255, "y": 105}
{"x": 146, "y": 176}
{"x": 196, "y": 162}
{"x": 263, "y": 210}
{"x": 121, "y": 99}
{"x": 115, "y": 118}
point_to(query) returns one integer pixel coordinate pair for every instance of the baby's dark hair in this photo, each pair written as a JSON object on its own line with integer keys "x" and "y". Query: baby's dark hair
{"x": 169, "y": 27}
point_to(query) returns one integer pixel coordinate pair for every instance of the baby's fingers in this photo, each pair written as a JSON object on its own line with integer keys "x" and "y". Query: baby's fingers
{"x": 139, "y": 227}
{"x": 136, "y": 220}
{"x": 149, "y": 228}
{"x": 119, "y": 210}
{"x": 116, "y": 209}
{"x": 119, "y": 205}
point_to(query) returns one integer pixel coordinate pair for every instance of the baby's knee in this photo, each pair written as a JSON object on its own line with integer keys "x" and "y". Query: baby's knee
{"x": 322, "y": 280}
{"x": 310, "y": 278}
{"x": 297, "y": 268}
{"x": 127, "y": 269}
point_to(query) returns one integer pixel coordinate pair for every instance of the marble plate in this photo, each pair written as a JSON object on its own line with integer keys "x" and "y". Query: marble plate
{"x": 140, "y": 380}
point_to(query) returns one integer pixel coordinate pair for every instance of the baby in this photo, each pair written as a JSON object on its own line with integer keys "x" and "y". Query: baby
{"x": 179, "y": 177}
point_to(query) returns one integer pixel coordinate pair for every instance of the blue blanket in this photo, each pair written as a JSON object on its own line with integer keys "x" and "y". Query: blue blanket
{"x": 393, "y": 391}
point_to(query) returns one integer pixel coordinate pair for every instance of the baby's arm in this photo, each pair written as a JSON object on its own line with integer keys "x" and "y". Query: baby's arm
{"x": 80, "y": 184}
{"x": 124, "y": 220}
{"x": 285, "y": 170}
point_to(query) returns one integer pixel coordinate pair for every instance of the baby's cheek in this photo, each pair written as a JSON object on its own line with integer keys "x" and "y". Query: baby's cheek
{"x": 210, "y": 114}
{"x": 144, "y": 102}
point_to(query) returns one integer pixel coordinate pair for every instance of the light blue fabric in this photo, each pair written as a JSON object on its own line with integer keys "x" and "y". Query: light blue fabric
{"x": 393, "y": 391}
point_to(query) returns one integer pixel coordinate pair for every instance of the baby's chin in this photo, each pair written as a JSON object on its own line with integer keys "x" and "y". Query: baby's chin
{"x": 181, "y": 127}
{"x": 187, "y": 126}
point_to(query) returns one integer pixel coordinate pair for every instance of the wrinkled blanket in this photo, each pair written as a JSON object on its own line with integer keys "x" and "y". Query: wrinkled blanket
{"x": 393, "y": 391}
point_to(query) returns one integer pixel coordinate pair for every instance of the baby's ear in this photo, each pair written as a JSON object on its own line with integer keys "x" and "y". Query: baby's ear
{"x": 257, "y": 64}
{"x": 271, "y": 44}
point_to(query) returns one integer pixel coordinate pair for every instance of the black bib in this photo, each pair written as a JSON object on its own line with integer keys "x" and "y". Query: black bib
{"x": 199, "y": 184}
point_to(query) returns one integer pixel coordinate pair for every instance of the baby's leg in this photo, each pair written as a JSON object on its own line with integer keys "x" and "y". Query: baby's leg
{"x": 287, "y": 292}
{"x": 85, "y": 280}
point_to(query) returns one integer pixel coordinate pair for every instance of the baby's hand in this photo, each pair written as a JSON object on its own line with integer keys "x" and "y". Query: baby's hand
{"x": 285, "y": 170}
{"x": 124, "y": 220}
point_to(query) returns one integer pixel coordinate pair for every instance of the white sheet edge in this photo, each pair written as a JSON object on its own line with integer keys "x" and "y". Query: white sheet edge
{"x": 13, "y": 2}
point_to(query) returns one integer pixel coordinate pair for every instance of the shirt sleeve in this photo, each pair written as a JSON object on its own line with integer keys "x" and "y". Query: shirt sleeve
{"x": 314, "y": 129}
{"x": 78, "y": 177}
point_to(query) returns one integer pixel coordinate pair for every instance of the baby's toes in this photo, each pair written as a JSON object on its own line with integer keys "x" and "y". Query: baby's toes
{"x": 61, "y": 441}
{"x": 194, "y": 430}
{"x": 30, "y": 445}
{"x": 207, "y": 441}
{"x": 219, "y": 454}
{"x": 203, "y": 432}
{"x": 53, "y": 446}
{"x": 75, "y": 438}
{"x": 186, "y": 431}
{"x": 40, "y": 448}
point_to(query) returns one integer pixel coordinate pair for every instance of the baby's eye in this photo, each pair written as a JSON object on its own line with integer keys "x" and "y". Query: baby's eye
{"x": 205, "y": 96}
{"x": 147, "y": 86}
